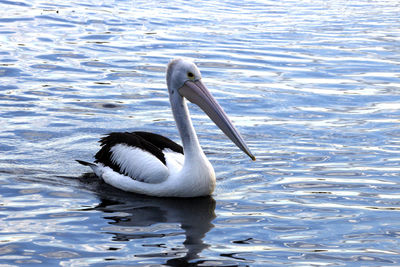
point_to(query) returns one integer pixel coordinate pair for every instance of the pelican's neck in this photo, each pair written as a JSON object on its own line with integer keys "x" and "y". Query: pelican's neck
{"x": 191, "y": 145}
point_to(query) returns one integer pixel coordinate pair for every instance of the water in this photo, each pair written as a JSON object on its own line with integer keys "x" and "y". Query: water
{"x": 313, "y": 87}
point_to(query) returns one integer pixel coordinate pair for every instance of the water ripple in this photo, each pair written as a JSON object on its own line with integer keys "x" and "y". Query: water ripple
{"x": 312, "y": 86}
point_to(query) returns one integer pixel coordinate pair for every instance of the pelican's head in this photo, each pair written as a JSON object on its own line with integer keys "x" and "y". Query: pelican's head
{"x": 180, "y": 71}
{"x": 184, "y": 78}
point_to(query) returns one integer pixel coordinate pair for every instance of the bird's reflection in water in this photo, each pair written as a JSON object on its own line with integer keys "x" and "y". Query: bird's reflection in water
{"x": 194, "y": 215}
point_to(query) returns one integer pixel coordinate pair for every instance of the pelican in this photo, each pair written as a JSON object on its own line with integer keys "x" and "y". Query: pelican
{"x": 151, "y": 164}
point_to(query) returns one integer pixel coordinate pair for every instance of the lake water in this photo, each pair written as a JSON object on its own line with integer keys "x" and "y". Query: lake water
{"x": 313, "y": 86}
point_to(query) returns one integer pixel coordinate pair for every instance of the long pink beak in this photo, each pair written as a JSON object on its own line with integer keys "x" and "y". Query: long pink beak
{"x": 197, "y": 93}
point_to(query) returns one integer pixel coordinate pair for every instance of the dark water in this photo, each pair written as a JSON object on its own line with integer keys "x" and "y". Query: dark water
{"x": 312, "y": 85}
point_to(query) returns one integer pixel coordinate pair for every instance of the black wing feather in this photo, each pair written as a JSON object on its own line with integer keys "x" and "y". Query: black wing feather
{"x": 150, "y": 142}
{"x": 160, "y": 141}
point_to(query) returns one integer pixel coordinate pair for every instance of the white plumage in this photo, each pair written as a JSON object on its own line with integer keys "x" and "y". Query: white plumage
{"x": 173, "y": 160}
{"x": 148, "y": 169}
{"x": 191, "y": 180}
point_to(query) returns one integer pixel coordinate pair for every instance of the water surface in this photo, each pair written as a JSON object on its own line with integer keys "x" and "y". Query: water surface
{"x": 313, "y": 86}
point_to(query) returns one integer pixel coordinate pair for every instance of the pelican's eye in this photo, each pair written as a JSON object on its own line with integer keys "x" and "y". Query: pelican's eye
{"x": 190, "y": 75}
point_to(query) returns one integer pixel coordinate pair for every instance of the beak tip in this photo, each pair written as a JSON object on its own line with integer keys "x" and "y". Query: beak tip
{"x": 253, "y": 158}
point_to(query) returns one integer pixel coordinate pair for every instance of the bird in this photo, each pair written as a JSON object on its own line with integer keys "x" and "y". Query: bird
{"x": 151, "y": 164}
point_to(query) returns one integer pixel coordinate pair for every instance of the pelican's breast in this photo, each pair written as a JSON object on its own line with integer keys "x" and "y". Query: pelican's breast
{"x": 174, "y": 160}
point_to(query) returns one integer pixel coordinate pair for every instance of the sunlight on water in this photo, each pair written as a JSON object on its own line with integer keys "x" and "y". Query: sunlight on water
{"x": 313, "y": 87}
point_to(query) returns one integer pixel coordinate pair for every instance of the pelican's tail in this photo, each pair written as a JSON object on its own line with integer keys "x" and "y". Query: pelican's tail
{"x": 93, "y": 166}
{"x": 85, "y": 163}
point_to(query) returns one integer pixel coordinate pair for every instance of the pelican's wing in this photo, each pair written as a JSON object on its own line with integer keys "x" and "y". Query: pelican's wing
{"x": 138, "y": 155}
{"x": 173, "y": 152}
{"x": 160, "y": 141}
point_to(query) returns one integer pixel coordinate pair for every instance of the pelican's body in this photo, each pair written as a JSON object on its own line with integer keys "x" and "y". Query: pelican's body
{"x": 151, "y": 164}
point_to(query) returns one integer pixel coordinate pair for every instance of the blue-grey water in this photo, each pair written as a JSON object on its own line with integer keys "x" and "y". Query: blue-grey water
{"x": 313, "y": 86}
